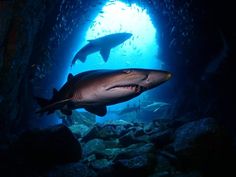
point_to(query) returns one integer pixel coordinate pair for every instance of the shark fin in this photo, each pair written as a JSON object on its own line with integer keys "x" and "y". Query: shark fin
{"x": 49, "y": 106}
{"x": 70, "y": 76}
{"x": 82, "y": 58}
{"x": 98, "y": 110}
{"x": 78, "y": 56}
{"x": 105, "y": 52}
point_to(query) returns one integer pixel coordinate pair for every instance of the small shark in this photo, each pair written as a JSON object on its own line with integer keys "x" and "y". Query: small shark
{"x": 103, "y": 44}
{"x": 129, "y": 109}
{"x": 155, "y": 106}
{"x": 95, "y": 89}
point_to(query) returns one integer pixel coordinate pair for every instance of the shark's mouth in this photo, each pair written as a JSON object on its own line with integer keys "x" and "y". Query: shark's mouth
{"x": 132, "y": 87}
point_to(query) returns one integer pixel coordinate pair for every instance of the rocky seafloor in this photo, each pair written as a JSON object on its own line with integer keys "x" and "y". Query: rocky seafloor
{"x": 160, "y": 148}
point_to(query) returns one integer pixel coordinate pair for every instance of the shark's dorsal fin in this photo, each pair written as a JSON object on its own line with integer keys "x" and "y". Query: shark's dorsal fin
{"x": 70, "y": 76}
{"x": 105, "y": 52}
{"x": 98, "y": 110}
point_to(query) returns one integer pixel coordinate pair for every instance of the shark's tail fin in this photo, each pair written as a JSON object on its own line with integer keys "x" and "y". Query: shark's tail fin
{"x": 78, "y": 56}
{"x": 49, "y": 106}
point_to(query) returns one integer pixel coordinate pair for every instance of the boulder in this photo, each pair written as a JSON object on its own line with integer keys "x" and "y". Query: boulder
{"x": 79, "y": 130}
{"x": 93, "y": 146}
{"x": 135, "y": 150}
{"x": 137, "y": 162}
{"x": 109, "y": 153}
{"x": 112, "y": 143}
{"x": 141, "y": 165}
{"x": 51, "y": 146}
{"x": 149, "y": 128}
{"x": 101, "y": 164}
{"x": 71, "y": 170}
{"x": 204, "y": 145}
{"x": 162, "y": 138}
{"x": 129, "y": 138}
{"x": 92, "y": 134}
{"x": 188, "y": 134}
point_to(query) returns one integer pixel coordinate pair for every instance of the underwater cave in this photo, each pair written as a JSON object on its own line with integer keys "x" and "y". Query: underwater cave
{"x": 138, "y": 125}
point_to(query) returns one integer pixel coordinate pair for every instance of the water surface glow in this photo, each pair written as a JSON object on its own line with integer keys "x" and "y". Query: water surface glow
{"x": 139, "y": 51}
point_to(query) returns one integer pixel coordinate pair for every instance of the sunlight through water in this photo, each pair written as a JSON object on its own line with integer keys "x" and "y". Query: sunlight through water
{"x": 139, "y": 51}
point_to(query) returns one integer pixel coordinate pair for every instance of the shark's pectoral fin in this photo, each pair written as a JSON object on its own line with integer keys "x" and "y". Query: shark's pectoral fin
{"x": 98, "y": 110}
{"x": 105, "y": 52}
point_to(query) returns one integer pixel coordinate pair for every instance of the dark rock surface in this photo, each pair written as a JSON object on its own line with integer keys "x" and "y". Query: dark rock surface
{"x": 187, "y": 135}
{"x": 193, "y": 149}
{"x": 71, "y": 170}
{"x": 93, "y": 146}
{"x": 50, "y": 146}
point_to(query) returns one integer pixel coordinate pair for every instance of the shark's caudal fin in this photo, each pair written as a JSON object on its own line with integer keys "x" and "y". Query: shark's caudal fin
{"x": 80, "y": 57}
{"x": 48, "y": 106}
{"x": 105, "y": 52}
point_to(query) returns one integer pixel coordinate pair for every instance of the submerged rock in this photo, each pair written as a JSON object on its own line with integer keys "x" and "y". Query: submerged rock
{"x": 55, "y": 145}
{"x": 101, "y": 164}
{"x": 79, "y": 130}
{"x": 93, "y": 146}
{"x": 189, "y": 133}
{"x": 135, "y": 150}
{"x": 161, "y": 139}
{"x": 134, "y": 163}
{"x": 109, "y": 153}
{"x": 71, "y": 170}
{"x": 204, "y": 145}
{"x": 129, "y": 138}
{"x": 105, "y": 132}
{"x": 137, "y": 166}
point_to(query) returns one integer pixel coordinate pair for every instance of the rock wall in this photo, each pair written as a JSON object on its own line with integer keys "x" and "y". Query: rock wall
{"x": 21, "y": 21}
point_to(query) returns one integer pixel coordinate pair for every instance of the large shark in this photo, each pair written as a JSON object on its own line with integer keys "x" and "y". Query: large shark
{"x": 94, "y": 90}
{"x": 103, "y": 44}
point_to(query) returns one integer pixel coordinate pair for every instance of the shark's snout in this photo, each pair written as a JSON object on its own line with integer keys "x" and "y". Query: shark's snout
{"x": 167, "y": 75}
{"x": 156, "y": 78}
{"x": 127, "y": 35}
